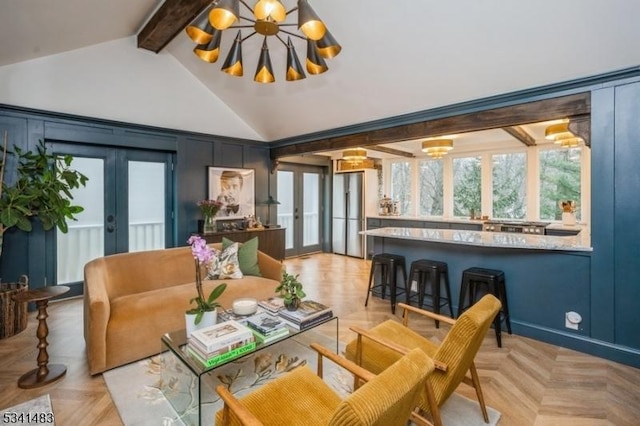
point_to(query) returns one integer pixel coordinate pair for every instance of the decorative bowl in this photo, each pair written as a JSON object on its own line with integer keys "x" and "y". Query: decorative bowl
{"x": 245, "y": 306}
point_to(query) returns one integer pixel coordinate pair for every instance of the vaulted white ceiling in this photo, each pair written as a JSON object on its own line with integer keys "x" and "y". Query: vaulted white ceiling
{"x": 397, "y": 58}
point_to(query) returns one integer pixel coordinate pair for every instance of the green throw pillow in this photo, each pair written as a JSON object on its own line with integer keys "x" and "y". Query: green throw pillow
{"x": 247, "y": 256}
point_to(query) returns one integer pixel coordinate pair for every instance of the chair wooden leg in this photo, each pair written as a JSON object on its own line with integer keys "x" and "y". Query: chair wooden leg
{"x": 225, "y": 415}
{"x": 433, "y": 406}
{"x": 356, "y": 381}
{"x": 419, "y": 419}
{"x": 476, "y": 384}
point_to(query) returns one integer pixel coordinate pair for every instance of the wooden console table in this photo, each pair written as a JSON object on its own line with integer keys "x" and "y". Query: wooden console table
{"x": 270, "y": 240}
{"x": 45, "y": 373}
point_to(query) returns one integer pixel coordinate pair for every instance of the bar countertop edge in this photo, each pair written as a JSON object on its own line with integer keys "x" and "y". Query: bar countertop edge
{"x": 578, "y": 242}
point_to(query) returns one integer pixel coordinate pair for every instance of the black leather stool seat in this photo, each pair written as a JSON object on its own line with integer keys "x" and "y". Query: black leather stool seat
{"x": 436, "y": 274}
{"x": 478, "y": 281}
{"x": 389, "y": 265}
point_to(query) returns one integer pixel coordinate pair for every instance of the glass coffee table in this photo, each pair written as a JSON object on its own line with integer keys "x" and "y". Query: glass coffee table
{"x": 190, "y": 386}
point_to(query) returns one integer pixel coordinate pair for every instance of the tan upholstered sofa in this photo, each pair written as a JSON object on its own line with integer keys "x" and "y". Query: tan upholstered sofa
{"x": 132, "y": 299}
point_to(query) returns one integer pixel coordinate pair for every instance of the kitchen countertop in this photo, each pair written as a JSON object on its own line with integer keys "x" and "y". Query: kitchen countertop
{"x": 552, "y": 225}
{"x": 578, "y": 242}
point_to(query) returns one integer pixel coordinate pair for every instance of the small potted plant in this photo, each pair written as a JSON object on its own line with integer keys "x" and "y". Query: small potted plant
{"x": 205, "y": 307}
{"x": 291, "y": 291}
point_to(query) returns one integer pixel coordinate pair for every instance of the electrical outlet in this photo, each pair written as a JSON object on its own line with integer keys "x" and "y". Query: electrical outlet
{"x": 572, "y": 320}
{"x": 414, "y": 286}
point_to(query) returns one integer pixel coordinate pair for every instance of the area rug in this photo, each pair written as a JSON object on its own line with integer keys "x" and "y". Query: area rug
{"x": 138, "y": 390}
{"x": 37, "y": 411}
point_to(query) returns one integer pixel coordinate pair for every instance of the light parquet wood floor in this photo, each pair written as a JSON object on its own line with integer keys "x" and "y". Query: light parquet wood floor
{"x": 529, "y": 382}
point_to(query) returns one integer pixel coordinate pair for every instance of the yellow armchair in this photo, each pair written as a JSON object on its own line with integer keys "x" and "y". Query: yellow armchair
{"x": 302, "y": 398}
{"x": 380, "y": 347}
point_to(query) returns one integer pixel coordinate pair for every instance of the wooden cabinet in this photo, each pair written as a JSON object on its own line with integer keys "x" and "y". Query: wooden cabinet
{"x": 270, "y": 241}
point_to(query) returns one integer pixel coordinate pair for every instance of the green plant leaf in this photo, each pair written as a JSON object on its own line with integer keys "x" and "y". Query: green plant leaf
{"x": 216, "y": 292}
{"x": 42, "y": 190}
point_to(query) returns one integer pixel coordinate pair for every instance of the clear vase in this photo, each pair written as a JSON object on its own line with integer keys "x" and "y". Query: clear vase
{"x": 209, "y": 226}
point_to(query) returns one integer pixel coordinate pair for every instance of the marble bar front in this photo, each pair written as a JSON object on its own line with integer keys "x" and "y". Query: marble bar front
{"x": 546, "y": 276}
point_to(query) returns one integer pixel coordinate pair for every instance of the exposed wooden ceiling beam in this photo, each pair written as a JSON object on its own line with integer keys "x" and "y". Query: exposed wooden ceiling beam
{"x": 581, "y": 126}
{"x": 392, "y": 151}
{"x": 171, "y": 18}
{"x": 547, "y": 109}
{"x": 520, "y": 134}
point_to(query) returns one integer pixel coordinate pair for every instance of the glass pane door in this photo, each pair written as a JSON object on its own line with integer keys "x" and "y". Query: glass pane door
{"x": 285, "y": 208}
{"x": 146, "y": 205}
{"x": 300, "y": 209}
{"x": 311, "y": 208}
{"x": 85, "y": 239}
{"x": 127, "y": 203}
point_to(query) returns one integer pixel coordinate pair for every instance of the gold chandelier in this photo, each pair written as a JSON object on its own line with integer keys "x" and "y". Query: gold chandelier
{"x": 268, "y": 19}
{"x": 437, "y": 148}
{"x": 560, "y": 134}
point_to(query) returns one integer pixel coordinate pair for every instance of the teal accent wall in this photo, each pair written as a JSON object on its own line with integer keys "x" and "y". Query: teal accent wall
{"x": 26, "y": 253}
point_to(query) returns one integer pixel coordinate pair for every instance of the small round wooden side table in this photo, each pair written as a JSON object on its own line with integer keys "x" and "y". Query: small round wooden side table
{"x": 45, "y": 373}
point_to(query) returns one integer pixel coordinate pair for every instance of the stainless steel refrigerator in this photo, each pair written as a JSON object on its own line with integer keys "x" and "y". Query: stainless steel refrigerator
{"x": 348, "y": 213}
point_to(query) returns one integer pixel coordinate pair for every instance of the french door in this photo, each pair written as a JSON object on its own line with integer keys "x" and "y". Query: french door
{"x": 127, "y": 205}
{"x": 300, "y": 190}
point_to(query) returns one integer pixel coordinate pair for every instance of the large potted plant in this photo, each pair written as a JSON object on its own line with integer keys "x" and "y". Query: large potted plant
{"x": 291, "y": 291}
{"x": 204, "y": 313}
{"x": 42, "y": 190}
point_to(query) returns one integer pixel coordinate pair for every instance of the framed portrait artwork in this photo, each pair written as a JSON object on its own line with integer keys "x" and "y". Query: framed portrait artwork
{"x": 235, "y": 189}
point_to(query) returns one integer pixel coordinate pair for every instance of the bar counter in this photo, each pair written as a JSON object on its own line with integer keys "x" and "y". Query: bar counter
{"x": 578, "y": 242}
{"x": 546, "y": 276}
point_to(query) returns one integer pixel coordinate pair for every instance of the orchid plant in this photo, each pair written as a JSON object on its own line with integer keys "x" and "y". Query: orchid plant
{"x": 203, "y": 255}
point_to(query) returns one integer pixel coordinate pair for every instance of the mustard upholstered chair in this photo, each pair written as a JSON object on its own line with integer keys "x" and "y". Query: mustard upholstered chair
{"x": 380, "y": 347}
{"x": 302, "y": 398}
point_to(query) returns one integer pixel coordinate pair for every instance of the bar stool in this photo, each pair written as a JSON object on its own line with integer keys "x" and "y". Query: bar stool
{"x": 472, "y": 281}
{"x": 436, "y": 274}
{"x": 388, "y": 264}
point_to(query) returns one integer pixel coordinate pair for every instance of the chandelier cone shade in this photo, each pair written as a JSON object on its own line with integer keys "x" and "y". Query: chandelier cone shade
{"x": 294, "y": 68}
{"x": 309, "y": 22}
{"x": 267, "y": 18}
{"x": 224, "y": 14}
{"x": 437, "y": 148}
{"x": 264, "y": 72}
{"x": 315, "y": 63}
{"x": 200, "y": 31}
{"x": 233, "y": 64}
{"x": 270, "y": 9}
{"x": 327, "y": 46}
{"x": 210, "y": 51}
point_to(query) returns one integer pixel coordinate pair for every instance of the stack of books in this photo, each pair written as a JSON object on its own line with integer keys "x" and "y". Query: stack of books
{"x": 267, "y": 327}
{"x": 308, "y": 314}
{"x": 220, "y": 343}
{"x": 272, "y": 304}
